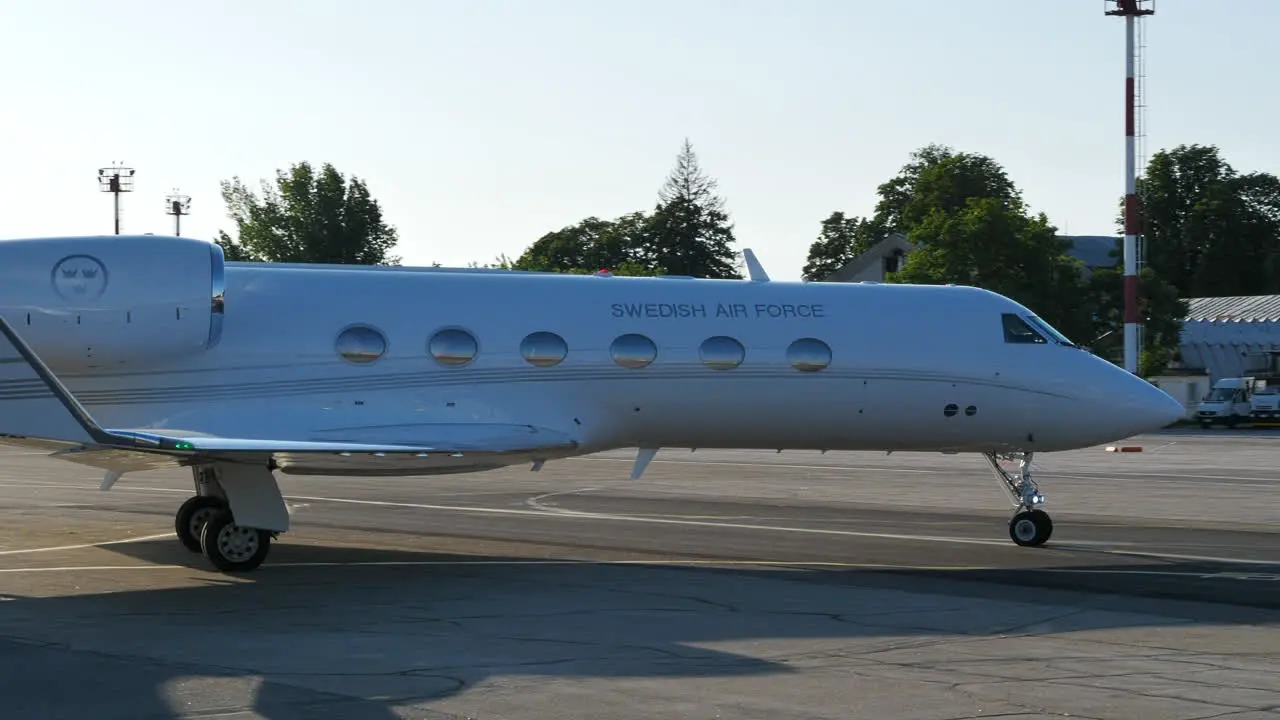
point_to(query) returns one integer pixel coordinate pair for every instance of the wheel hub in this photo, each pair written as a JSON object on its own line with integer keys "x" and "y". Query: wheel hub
{"x": 198, "y": 520}
{"x": 1025, "y": 529}
{"x": 236, "y": 543}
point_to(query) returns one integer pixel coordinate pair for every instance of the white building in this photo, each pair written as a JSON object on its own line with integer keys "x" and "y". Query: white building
{"x": 1231, "y": 336}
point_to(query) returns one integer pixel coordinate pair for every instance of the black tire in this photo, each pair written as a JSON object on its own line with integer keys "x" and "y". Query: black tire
{"x": 1030, "y": 528}
{"x": 232, "y": 548}
{"x": 191, "y": 518}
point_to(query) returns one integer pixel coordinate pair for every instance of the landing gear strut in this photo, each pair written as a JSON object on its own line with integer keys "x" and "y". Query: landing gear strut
{"x": 1030, "y": 526}
{"x": 206, "y": 524}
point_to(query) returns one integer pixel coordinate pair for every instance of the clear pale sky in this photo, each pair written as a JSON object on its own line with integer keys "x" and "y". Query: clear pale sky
{"x": 482, "y": 124}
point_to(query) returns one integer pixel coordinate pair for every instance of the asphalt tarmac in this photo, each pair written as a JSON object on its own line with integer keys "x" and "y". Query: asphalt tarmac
{"x": 722, "y": 584}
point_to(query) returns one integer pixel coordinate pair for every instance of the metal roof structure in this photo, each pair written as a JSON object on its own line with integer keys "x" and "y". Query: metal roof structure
{"x": 1245, "y": 308}
{"x": 1230, "y": 336}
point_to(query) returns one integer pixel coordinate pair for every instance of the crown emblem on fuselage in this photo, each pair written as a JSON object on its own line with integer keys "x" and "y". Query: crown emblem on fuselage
{"x": 80, "y": 277}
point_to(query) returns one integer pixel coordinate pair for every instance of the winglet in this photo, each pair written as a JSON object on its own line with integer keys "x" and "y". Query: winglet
{"x": 642, "y": 461}
{"x": 755, "y": 270}
{"x": 34, "y": 403}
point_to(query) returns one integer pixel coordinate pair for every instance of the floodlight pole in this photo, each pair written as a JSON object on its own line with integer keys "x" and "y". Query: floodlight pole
{"x": 115, "y": 180}
{"x": 177, "y": 205}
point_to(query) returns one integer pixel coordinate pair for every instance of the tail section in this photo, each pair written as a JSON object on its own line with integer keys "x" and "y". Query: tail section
{"x": 33, "y": 402}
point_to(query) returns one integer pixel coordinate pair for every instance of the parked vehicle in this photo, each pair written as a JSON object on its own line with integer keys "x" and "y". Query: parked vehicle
{"x": 1264, "y": 401}
{"x": 1241, "y": 399}
{"x": 1227, "y": 403}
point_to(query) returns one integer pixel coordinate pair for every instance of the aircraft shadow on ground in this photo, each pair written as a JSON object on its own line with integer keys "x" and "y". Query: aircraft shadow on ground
{"x": 323, "y": 627}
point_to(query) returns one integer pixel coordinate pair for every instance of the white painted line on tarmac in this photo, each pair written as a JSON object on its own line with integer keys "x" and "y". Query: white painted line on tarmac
{"x": 561, "y": 513}
{"x": 571, "y": 514}
{"x": 1101, "y": 474}
{"x": 86, "y": 568}
{"x": 1165, "y": 573}
{"x": 57, "y": 485}
{"x": 535, "y": 502}
{"x": 86, "y": 545}
{"x": 1240, "y": 482}
{"x": 1193, "y": 558}
{"x": 671, "y": 562}
{"x": 657, "y": 562}
{"x": 565, "y": 513}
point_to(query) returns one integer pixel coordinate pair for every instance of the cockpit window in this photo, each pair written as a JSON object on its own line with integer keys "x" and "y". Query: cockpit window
{"x": 1049, "y": 330}
{"x": 1016, "y": 330}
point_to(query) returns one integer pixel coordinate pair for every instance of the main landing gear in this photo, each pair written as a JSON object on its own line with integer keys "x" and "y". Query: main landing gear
{"x": 206, "y": 523}
{"x": 1030, "y": 526}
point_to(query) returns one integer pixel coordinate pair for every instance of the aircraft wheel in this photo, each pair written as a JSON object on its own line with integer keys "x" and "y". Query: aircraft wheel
{"x": 232, "y": 548}
{"x": 1031, "y": 528}
{"x": 191, "y": 518}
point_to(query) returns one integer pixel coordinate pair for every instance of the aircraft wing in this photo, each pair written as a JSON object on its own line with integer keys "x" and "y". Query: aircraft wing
{"x": 38, "y": 411}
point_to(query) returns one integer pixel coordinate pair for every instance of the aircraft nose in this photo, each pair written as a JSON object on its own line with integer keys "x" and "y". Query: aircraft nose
{"x": 1147, "y": 407}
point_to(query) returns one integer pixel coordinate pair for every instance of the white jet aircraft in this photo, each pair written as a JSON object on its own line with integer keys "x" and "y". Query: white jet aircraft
{"x": 131, "y": 353}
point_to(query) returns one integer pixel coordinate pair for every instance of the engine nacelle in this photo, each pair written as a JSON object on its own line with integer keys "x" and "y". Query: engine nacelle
{"x": 111, "y": 301}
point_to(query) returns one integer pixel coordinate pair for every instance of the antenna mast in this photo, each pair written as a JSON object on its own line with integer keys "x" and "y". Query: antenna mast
{"x": 1131, "y": 11}
{"x": 115, "y": 180}
{"x": 177, "y": 206}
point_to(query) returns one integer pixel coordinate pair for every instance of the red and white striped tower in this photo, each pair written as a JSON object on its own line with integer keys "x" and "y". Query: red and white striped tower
{"x": 1130, "y": 10}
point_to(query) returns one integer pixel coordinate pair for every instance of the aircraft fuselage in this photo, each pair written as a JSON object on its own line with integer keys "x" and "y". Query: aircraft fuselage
{"x": 604, "y": 362}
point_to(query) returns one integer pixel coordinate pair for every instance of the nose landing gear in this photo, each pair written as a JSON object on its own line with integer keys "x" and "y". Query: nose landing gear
{"x": 1030, "y": 526}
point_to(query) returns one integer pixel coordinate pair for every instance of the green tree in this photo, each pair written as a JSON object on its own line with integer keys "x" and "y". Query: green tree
{"x": 992, "y": 244}
{"x": 689, "y": 232}
{"x": 1207, "y": 229}
{"x": 935, "y": 178}
{"x": 840, "y": 240}
{"x": 234, "y": 251}
{"x": 970, "y": 225}
{"x": 591, "y": 245}
{"x": 938, "y": 177}
{"x": 306, "y": 217}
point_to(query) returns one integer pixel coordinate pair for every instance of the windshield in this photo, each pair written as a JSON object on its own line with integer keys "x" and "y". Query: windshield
{"x": 1017, "y": 330}
{"x": 1030, "y": 329}
{"x": 1049, "y": 330}
{"x": 1221, "y": 394}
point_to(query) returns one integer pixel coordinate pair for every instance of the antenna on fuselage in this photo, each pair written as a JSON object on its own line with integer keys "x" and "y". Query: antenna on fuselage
{"x": 755, "y": 271}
